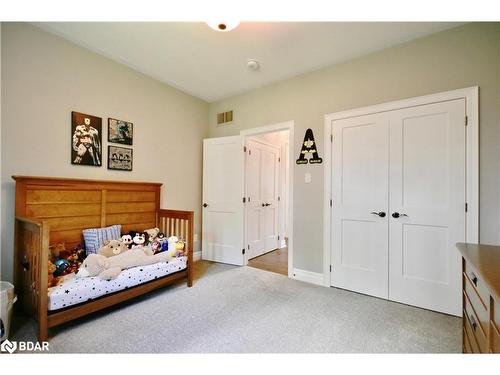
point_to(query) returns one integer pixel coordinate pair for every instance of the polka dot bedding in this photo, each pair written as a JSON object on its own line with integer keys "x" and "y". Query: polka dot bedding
{"x": 75, "y": 290}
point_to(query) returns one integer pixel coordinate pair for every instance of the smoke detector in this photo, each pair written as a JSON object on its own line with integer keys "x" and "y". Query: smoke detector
{"x": 253, "y": 64}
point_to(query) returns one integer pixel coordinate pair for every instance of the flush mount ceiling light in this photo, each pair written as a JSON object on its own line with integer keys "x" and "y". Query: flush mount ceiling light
{"x": 223, "y": 26}
{"x": 253, "y": 64}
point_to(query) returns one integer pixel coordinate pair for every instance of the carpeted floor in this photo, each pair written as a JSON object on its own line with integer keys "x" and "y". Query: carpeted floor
{"x": 247, "y": 310}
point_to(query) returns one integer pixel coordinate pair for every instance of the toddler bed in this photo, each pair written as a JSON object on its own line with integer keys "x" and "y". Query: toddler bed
{"x": 54, "y": 210}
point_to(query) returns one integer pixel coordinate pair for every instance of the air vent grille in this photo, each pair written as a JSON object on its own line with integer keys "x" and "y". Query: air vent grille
{"x": 224, "y": 118}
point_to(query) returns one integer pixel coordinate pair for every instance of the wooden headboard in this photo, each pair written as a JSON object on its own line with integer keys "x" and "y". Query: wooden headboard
{"x": 71, "y": 205}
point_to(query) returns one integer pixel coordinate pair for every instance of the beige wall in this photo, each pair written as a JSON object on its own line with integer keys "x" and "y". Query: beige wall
{"x": 458, "y": 58}
{"x": 45, "y": 78}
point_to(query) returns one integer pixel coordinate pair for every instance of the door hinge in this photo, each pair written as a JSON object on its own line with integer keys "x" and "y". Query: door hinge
{"x": 249, "y": 152}
{"x": 279, "y": 160}
{"x": 279, "y": 198}
{"x": 466, "y": 120}
{"x": 278, "y": 238}
{"x": 244, "y": 200}
{"x": 248, "y": 199}
{"x": 243, "y": 251}
{"x": 466, "y": 206}
{"x": 331, "y": 202}
{"x": 248, "y": 246}
{"x": 244, "y": 148}
{"x": 331, "y": 138}
{"x": 330, "y": 268}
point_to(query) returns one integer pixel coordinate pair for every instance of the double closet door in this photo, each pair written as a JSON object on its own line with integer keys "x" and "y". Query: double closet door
{"x": 262, "y": 188}
{"x": 398, "y": 188}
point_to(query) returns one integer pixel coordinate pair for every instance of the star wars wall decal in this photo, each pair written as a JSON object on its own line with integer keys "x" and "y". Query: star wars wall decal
{"x": 309, "y": 148}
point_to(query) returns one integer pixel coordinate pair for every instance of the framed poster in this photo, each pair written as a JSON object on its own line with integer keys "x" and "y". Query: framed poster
{"x": 120, "y": 131}
{"x": 120, "y": 158}
{"x": 86, "y": 139}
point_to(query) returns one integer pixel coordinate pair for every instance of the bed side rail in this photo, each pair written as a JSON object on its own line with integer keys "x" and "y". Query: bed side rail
{"x": 31, "y": 256}
{"x": 180, "y": 224}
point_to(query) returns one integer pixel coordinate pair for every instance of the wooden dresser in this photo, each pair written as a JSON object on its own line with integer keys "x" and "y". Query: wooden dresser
{"x": 481, "y": 298}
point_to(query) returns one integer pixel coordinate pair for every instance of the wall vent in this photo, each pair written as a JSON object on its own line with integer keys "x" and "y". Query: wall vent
{"x": 224, "y": 118}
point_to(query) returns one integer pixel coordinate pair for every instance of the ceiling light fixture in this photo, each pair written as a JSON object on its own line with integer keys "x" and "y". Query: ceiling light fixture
{"x": 223, "y": 26}
{"x": 253, "y": 64}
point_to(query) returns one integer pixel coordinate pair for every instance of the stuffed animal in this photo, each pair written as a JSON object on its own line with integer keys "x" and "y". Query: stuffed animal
{"x": 139, "y": 240}
{"x": 172, "y": 240}
{"x": 57, "y": 251}
{"x": 110, "y": 268}
{"x": 151, "y": 235}
{"x": 52, "y": 280}
{"x": 127, "y": 240}
{"x": 113, "y": 247}
{"x": 61, "y": 266}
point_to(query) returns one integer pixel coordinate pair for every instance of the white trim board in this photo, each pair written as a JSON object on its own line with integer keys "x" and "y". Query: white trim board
{"x": 290, "y": 126}
{"x": 308, "y": 276}
{"x": 471, "y": 96}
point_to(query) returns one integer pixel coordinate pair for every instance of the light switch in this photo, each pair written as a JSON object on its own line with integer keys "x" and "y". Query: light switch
{"x": 308, "y": 178}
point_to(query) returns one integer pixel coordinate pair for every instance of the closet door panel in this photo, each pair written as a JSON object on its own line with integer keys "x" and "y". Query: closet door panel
{"x": 427, "y": 205}
{"x": 360, "y": 186}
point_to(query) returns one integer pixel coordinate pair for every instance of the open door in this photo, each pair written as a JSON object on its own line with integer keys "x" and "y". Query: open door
{"x": 222, "y": 234}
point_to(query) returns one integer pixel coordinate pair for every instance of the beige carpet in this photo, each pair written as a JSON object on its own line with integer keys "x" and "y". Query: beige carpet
{"x": 247, "y": 310}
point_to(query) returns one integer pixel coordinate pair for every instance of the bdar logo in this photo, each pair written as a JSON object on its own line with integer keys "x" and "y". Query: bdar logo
{"x": 8, "y": 346}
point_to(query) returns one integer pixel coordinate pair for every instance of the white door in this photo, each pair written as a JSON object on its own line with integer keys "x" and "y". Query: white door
{"x": 360, "y": 203}
{"x": 262, "y": 191}
{"x": 222, "y": 232}
{"x": 427, "y": 205}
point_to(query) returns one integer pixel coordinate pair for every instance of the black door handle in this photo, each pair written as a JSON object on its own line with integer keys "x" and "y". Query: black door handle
{"x": 205, "y": 205}
{"x": 268, "y": 204}
{"x": 395, "y": 215}
{"x": 381, "y": 213}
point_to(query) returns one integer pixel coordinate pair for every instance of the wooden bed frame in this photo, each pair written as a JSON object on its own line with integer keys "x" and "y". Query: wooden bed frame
{"x": 53, "y": 210}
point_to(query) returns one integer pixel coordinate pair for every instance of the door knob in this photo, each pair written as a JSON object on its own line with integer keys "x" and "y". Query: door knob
{"x": 205, "y": 205}
{"x": 395, "y": 215}
{"x": 268, "y": 204}
{"x": 263, "y": 205}
{"x": 381, "y": 213}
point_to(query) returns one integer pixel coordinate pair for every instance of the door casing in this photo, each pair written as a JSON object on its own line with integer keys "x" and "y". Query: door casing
{"x": 471, "y": 96}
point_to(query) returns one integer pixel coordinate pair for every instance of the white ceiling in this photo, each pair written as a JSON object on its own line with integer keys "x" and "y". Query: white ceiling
{"x": 212, "y": 65}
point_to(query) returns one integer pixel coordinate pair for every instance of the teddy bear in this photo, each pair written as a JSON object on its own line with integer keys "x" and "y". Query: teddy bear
{"x": 151, "y": 235}
{"x": 110, "y": 268}
{"x": 112, "y": 247}
{"x": 52, "y": 280}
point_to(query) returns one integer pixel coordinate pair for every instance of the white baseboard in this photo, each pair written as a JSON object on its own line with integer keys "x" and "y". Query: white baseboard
{"x": 196, "y": 256}
{"x": 308, "y": 276}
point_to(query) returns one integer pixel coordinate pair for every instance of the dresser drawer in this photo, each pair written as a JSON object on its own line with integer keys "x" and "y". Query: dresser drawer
{"x": 475, "y": 332}
{"x": 495, "y": 340}
{"x": 474, "y": 348}
{"x": 496, "y": 314}
{"x": 479, "y": 308}
{"x": 477, "y": 283}
{"x": 466, "y": 348}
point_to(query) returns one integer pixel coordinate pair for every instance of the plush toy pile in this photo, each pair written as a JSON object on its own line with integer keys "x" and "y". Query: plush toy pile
{"x": 131, "y": 250}
{"x": 63, "y": 262}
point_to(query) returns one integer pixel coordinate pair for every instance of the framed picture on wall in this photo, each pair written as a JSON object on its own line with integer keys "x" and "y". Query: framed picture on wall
{"x": 120, "y": 158}
{"x": 86, "y": 139}
{"x": 120, "y": 131}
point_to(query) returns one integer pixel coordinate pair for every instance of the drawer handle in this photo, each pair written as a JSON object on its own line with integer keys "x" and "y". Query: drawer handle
{"x": 473, "y": 323}
{"x": 473, "y": 277}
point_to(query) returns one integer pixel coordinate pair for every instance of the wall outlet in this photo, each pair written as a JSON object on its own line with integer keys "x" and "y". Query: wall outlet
{"x": 195, "y": 237}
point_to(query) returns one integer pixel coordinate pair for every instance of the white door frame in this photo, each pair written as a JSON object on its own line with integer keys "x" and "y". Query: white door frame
{"x": 287, "y": 125}
{"x": 471, "y": 96}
